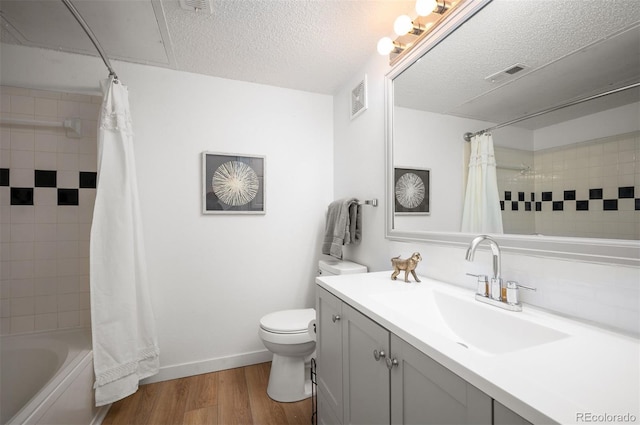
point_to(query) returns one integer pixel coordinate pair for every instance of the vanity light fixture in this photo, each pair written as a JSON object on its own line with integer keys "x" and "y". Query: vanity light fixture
{"x": 409, "y": 31}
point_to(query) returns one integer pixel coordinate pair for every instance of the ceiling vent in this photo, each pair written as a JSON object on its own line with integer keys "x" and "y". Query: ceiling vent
{"x": 506, "y": 73}
{"x": 359, "y": 98}
{"x": 200, "y": 6}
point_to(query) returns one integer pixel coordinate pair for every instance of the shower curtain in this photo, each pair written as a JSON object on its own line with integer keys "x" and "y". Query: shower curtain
{"x": 481, "y": 212}
{"x": 125, "y": 348}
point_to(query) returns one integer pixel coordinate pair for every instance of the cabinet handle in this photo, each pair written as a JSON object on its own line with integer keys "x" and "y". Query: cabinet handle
{"x": 378, "y": 354}
{"x": 335, "y": 318}
{"x": 391, "y": 363}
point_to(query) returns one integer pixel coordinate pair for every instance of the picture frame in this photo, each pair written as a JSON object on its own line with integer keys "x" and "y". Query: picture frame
{"x": 412, "y": 189}
{"x": 233, "y": 183}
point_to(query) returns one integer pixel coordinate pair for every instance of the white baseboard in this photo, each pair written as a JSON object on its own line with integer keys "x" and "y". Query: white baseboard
{"x": 210, "y": 365}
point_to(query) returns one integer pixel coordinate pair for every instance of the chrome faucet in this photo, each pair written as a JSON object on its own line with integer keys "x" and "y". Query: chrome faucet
{"x": 495, "y": 293}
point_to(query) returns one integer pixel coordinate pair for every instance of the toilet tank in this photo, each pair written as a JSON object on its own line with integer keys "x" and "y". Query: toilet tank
{"x": 336, "y": 267}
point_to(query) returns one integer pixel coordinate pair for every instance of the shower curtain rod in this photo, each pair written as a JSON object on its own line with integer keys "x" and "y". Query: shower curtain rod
{"x": 467, "y": 136}
{"x": 92, "y": 37}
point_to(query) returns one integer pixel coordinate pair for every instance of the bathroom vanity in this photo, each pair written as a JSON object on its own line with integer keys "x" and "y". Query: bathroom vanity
{"x": 396, "y": 352}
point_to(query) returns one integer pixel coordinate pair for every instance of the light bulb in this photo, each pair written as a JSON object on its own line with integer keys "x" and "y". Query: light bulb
{"x": 402, "y": 25}
{"x": 385, "y": 46}
{"x": 425, "y": 7}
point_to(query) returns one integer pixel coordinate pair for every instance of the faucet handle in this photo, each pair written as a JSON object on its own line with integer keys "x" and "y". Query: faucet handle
{"x": 512, "y": 291}
{"x": 483, "y": 284}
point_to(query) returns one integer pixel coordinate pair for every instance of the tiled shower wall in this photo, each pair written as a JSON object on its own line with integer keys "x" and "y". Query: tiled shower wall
{"x": 588, "y": 189}
{"x": 47, "y": 192}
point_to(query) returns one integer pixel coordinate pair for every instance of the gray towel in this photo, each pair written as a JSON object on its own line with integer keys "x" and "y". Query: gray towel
{"x": 344, "y": 226}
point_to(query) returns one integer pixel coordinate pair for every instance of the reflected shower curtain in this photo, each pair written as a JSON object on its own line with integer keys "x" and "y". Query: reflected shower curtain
{"x": 481, "y": 213}
{"x": 125, "y": 348}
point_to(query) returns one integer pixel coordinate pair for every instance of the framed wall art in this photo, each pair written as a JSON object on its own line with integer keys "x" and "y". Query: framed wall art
{"x": 233, "y": 183}
{"x": 411, "y": 191}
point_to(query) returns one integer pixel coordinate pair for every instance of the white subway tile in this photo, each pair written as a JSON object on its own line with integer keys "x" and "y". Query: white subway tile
{"x": 5, "y": 308}
{"x": 68, "y": 302}
{"x": 23, "y": 306}
{"x": 68, "y": 161}
{"x": 45, "y": 268}
{"x": 45, "y": 322}
{"x": 21, "y": 177}
{"x": 68, "y": 319}
{"x": 46, "y": 107}
{"x": 22, "y": 159}
{"x": 45, "y": 213}
{"x": 21, "y": 251}
{"x": 46, "y": 142}
{"x": 45, "y": 160}
{"x": 22, "y": 269}
{"x": 22, "y": 105}
{"x": 22, "y": 140}
{"x": 45, "y": 196}
{"x": 20, "y": 324}
{"x": 44, "y": 232}
{"x": 46, "y": 304}
{"x": 22, "y": 214}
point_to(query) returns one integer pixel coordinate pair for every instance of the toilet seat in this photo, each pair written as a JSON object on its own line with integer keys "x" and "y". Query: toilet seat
{"x": 288, "y": 321}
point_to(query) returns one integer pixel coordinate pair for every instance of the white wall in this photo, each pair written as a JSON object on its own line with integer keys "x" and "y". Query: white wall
{"x": 608, "y": 295}
{"x": 213, "y": 277}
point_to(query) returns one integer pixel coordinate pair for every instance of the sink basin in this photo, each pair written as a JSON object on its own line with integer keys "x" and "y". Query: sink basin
{"x": 474, "y": 325}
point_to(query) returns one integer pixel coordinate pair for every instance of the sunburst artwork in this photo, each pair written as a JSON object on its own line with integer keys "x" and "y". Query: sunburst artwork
{"x": 411, "y": 191}
{"x": 233, "y": 183}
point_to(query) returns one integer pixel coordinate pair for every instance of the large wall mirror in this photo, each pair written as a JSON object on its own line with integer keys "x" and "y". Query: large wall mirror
{"x": 568, "y": 180}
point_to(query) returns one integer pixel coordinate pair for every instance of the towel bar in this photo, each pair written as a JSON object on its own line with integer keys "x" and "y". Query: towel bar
{"x": 373, "y": 202}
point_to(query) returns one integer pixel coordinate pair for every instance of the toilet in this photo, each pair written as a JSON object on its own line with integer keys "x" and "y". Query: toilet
{"x": 288, "y": 336}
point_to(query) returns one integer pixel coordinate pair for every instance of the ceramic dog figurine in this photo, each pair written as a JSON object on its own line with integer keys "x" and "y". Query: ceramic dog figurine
{"x": 408, "y": 265}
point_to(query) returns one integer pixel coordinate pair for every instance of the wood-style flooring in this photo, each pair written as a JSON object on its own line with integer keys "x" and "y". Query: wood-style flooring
{"x": 228, "y": 397}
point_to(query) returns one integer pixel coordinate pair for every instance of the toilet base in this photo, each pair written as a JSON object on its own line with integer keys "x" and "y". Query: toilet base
{"x": 289, "y": 379}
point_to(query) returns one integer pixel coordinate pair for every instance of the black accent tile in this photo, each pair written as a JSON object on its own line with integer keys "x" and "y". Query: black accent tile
{"x": 88, "y": 179}
{"x": 46, "y": 178}
{"x": 514, "y": 206}
{"x": 626, "y": 192}
{"x": 521, "y": 196}
{"x": 507, "y": 196}
{"x": 637, "y": 204}
{"x": 595, "y": 193}
{"x": 527, "y": 206}
{"x": 538, "y": 206}
{"x": 67, "y": 196}
{"x": 533, "y": 197}
{"x": 4, "y": 177}
{"x": 21, "y": 196}
{"x": 501, "y": 205}
{"x": 582, "y": 205}
{"x": 558, "y": 205}
{"x": 610, "y": 205}
{"x": 547, "y": 196}
{"x": 569, "y": 195}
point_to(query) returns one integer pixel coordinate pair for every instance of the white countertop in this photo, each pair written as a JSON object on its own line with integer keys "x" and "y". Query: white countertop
{"x": 591, "y": 371}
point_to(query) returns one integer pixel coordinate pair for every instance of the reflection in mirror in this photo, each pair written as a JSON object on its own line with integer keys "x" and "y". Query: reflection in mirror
{"x": 573, "y": 172}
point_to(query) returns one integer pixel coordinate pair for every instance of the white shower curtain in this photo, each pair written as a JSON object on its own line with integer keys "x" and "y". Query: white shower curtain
{"x": 481, "y": 212}
{"x": 125, "y": 348}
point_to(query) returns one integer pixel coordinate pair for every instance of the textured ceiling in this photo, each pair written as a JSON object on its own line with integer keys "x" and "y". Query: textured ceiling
{"x": 311, "y": 45}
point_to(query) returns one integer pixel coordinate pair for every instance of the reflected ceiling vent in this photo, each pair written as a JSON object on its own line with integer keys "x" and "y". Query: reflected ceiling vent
{"x": 506, "y": 73}
{"x": 359, "y": 98}
{"x": 200, "y": 6}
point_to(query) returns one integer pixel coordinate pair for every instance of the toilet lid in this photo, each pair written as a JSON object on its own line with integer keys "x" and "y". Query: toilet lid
{"x": 288, "y": 321}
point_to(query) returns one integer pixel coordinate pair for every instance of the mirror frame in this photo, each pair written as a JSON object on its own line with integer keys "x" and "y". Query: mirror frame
{"x": 607, "y": 251}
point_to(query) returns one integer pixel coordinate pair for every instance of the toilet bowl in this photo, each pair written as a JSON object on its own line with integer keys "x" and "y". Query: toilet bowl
{"x": 286, "y": 334}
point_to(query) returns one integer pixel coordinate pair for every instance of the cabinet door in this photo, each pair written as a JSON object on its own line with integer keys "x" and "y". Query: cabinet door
{"x": 425, "y": 392}
{"x": 505, "y": 416}
{"x": 366, "y": 380}
{"x": 329, "y": 350}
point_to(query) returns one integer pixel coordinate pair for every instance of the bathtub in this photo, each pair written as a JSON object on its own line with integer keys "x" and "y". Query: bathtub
{"x": 47, "y": 378}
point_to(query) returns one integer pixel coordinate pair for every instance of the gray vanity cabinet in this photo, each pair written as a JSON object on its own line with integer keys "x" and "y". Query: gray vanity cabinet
{"x": 329, "y": 356}
{"x": 505, "y": 416}
{"x": 425, "y": 392}
{"x": 367, "y": 375}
